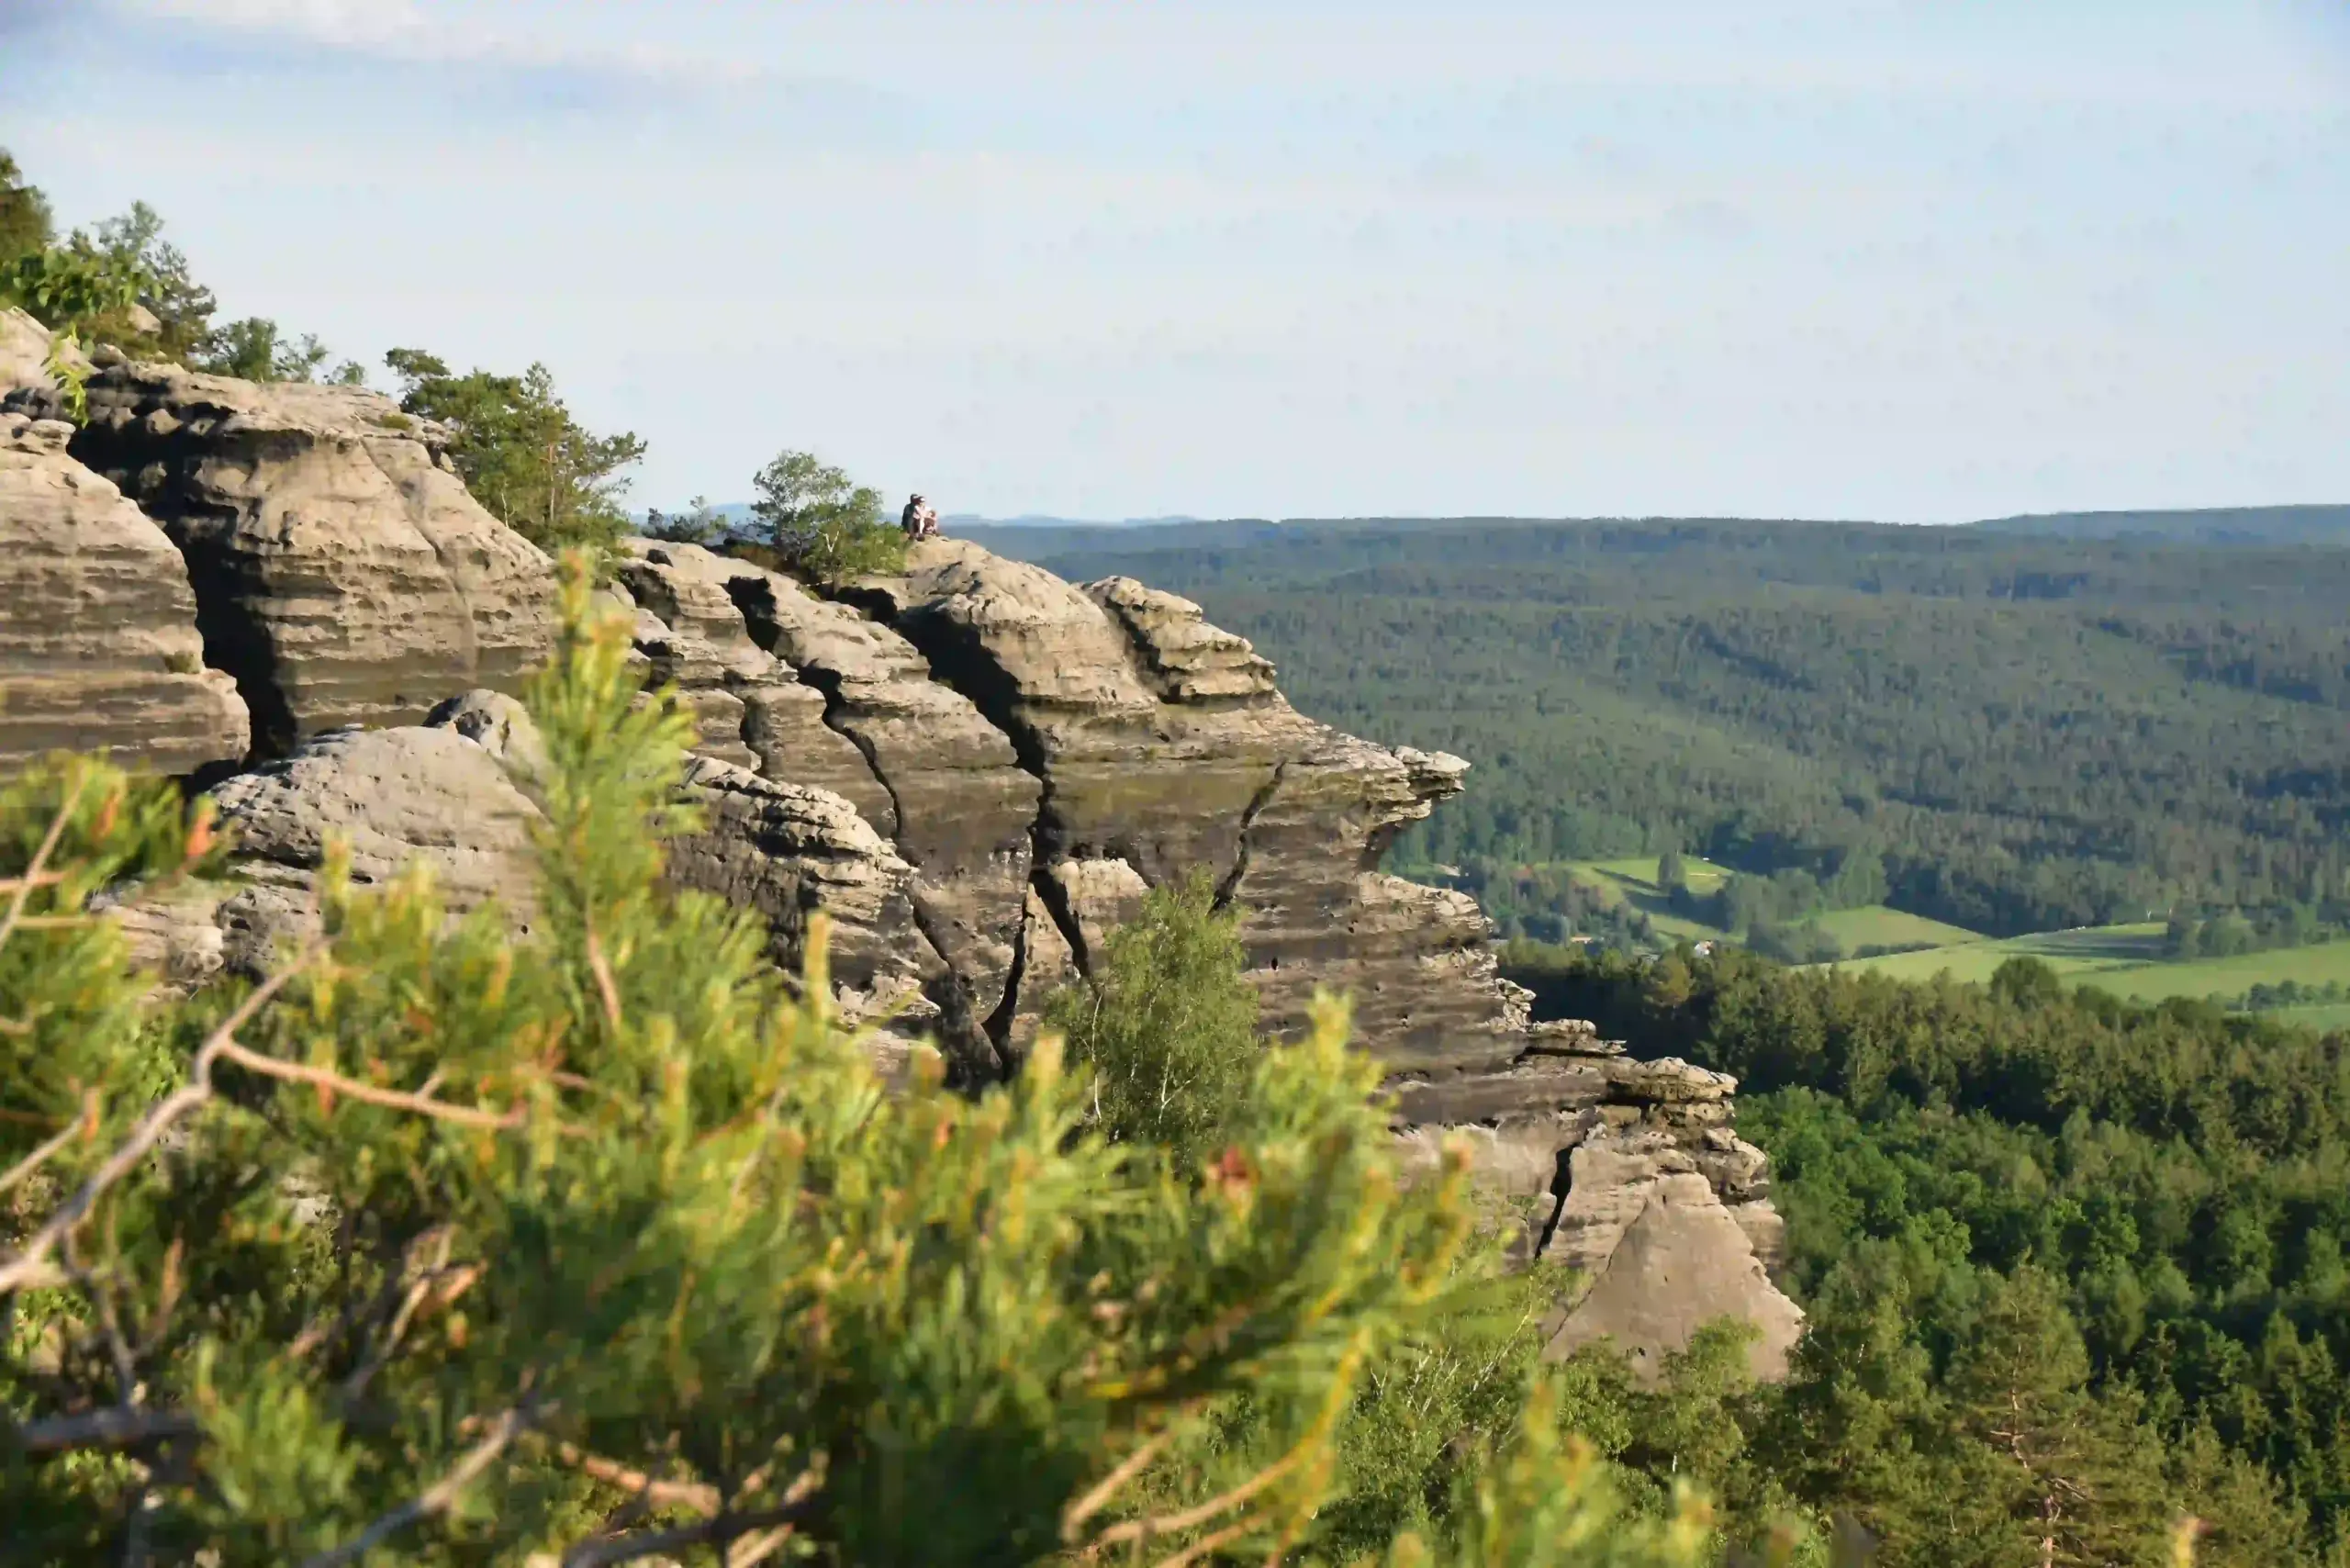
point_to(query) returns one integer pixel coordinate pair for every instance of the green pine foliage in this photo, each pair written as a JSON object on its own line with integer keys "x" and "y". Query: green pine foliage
{"x": 2071, "y": 1266}
{"x": 522, "y": 452}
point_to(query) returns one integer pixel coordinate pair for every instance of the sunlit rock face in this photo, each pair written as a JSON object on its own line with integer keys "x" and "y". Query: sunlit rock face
{"x": 974, "y": 770}
{"x": 343, "y": 574}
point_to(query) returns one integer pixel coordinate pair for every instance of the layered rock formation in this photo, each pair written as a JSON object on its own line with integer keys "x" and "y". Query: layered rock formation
{"x": 99, "y": 645}
{"x": 343, "y": 574}
{"x": 976, "y": 769}
{"x": 1154, "y": 745}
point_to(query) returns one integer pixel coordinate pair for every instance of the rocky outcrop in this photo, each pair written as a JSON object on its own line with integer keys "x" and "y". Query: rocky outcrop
{"x": 99, "y": 645}
{"x": 1161, "y": 746}
{"x": 1160, "y": 741}
{"x": 839, "y": 702}
{"x": 788, "y": 851}
{"x": 975, "y": 771}
{"x": 1660, "y": 1212}
{"x": 343, "y": 574}
{"x": 26, "y": 349}
{"x": 416, "y": 796}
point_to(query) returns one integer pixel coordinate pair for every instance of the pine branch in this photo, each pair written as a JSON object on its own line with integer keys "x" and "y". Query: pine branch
{"x": 30, "y": 1266}
{"x": 37, "y": 874}
{"x": 393, "y": 1099}
{"x": 81, "y": 1127}
{"x": 719, "y": 1531}
{"x": 436, "y": 1498}
{"x": 112, "y": 1427}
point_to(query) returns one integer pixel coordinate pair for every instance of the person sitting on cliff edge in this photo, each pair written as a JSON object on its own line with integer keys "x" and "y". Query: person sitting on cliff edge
{"x": 920, "y": 520}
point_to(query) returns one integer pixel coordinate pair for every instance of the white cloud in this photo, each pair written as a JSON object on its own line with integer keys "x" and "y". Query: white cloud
{"x": 407, "y": 31}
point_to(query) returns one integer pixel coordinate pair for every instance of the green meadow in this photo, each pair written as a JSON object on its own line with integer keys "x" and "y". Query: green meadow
{"x": 2128, "y": 961}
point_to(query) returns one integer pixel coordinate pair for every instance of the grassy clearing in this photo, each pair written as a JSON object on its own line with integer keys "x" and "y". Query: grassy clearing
{"x": 1632, "y": 881}
{"x": 2127, "y": 960}
{"x": 2100, "y": 950}
{"x": 1877, "y": 926}
{"x": 2324, "y": 1020}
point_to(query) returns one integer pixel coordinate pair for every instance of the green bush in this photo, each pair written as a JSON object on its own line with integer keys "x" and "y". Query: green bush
{"x": 822, "y": 524}
{"x": 1166, "y": 1026}
{"x": 520, "y": 451}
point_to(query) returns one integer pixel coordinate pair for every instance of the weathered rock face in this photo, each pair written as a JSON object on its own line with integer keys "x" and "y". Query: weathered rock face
{"x": 1160, "y": 742}
{"x": 26, "y": 385}
{"x": 428, "y": 796}
{"x": 99, "y": 645}
{"x": 1661, "y": 1209}
{"x": 975, "y": 769}
{"x": 1161, "y": 746}
{"x": 832, "y": 699}
{"x": 343, "y": 574}
{"x": 788, "y": 851}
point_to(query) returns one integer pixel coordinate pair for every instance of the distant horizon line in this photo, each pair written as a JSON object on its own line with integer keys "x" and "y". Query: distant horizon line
{"x": 735, "y": 510}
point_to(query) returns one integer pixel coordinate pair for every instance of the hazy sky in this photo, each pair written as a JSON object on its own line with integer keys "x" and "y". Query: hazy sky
{"x": 1851, "y": 258}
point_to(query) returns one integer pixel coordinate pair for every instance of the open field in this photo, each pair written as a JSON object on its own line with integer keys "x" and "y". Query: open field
{"x": 1633, "y": 881}
{"x": 2324, "y": 1020}
{"x": 1877, "y": 926}
{"x": 2076, "y": 955}
{"x": 2127, "y": 961}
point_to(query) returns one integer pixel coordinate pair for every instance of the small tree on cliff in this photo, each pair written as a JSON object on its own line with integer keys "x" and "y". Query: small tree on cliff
{"x": 257, "y": 349}
{"x": 520, "y": 451}
{"x": 25, "y": 226}
{"x": 442, "y": 1247}
{"x": 1166, "y": 1025}
{"x": 820, "y": 522}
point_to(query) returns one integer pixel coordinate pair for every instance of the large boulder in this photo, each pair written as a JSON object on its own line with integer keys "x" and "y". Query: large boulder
{"x": 789, "y": 851}
{"x": 98, "y": 641}
{"x": 1680, "y": 1262}
{"x": 428, "y": 797}
{"x": 26, "y": 349}
{"x": 343, "y": 574}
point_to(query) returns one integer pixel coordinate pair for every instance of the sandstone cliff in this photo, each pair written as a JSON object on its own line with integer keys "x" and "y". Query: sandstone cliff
{"x": 98, "y": 643}
{"x": 343, "y": 574}
{"x": 974, "y": 768}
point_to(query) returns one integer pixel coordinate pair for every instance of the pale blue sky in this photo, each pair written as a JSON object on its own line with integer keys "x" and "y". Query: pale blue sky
{"x": 1844, "y": 258}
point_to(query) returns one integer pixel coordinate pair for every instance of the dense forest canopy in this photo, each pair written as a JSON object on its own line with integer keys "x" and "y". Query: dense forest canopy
{"x": 2030, "y": 734}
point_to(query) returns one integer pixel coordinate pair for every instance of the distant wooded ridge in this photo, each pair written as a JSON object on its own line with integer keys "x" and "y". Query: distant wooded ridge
{"x": 2270, "y": 525}
{"x": 2006, "y": 730}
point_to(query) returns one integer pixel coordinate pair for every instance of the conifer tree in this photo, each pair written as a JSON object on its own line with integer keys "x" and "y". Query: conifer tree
{"x": 2064, "y": 1471}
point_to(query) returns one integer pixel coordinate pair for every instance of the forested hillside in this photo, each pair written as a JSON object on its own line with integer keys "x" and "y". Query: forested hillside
{"x": 2029, "y": 734}
{"x": 2239, "y": 525}
{"x": 2162, "y": 1185}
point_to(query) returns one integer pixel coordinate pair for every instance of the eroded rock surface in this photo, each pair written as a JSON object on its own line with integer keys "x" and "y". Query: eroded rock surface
{"x": 788, "y": 851}
{"x": 848, "y": 705}
{"x": 98, "y": 642}
{"x": 343, "y": 574}
{"x": 412, "y": 796}
{"x": 976, "y": 769}
{"x": 1161, "y": 746}
{"x": 27, "y": 386}
{"x": 1682, "y": 1262}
